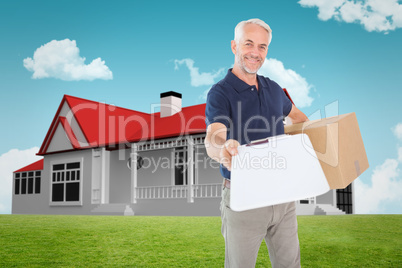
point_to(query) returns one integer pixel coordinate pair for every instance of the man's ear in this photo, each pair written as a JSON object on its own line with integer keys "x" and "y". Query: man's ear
{"x": 234, "y": 46}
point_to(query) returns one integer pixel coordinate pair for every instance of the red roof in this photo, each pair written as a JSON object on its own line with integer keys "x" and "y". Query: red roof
{"x": 38, "y": 165}
{"x": 108, "y": 125}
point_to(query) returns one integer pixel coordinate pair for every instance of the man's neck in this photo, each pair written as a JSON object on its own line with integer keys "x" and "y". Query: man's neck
{"x": 248, "y": 78}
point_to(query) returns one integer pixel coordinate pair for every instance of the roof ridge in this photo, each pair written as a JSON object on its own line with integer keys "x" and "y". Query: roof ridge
{"x": 131, "y": 110}
{"x": 99, "y": 102}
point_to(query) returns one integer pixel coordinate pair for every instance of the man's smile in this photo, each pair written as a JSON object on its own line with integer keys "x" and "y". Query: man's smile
{"x": 252, "y": 59}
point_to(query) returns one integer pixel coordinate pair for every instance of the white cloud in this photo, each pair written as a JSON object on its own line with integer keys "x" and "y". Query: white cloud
{"x": 398, "y": 131}
{"x": 203, "y": 96}
{"x": 296, "y": 85}
{"x": 10, "y": 162}
{"x": 326, "y": 8}
{"x": 386, "y": 187}
{"x": 197, "y": 78}
{"x": 61, "y": 60}
{"x": 400, "y": 154}
{"x": 374, "y": 15}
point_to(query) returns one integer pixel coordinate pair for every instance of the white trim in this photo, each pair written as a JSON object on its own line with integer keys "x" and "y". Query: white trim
{"x": 65, "y": 161}
{"x": 169, "y": 143}
{"x": 352, "y": 189}
{"x": 103, "y": 176}
{"x": 189, "y": 165}
{"x": 134, "y": 155}
{"x": 334, "y": 197}
{"x": 196, "y": 152}
{"x": 173, "y": 167}
{"x": 75, "y": 127}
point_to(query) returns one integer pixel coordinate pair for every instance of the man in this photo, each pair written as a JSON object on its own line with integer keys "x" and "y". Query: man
{"x": 241, "y": 108}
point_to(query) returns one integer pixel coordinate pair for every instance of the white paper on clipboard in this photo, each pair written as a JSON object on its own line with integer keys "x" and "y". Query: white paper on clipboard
{"x": 278, "y": 171}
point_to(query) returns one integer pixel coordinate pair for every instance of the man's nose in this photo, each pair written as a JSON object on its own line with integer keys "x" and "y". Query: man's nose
{"x": 254, "y": 54}
{"x": 254, "y": 51}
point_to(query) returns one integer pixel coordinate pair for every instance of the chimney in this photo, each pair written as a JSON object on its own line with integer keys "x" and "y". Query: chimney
{"x": 170, "y": 103}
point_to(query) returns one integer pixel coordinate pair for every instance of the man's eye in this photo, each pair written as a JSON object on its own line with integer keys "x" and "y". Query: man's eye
{"x": 248, "y": 44}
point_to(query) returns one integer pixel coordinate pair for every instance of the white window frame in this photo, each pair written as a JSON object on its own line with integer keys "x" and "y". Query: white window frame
{"x": 66, "y": 203}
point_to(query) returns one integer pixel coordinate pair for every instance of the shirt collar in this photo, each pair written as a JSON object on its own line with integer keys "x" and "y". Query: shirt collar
{"x": 238, "y": 84}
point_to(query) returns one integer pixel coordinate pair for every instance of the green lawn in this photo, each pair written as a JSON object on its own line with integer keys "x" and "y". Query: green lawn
{"x": 93, "y": 241}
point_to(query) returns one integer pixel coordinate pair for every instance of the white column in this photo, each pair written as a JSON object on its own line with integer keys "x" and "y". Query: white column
{"x": 103, "y": 176}
{"x": 333, "y": 197}
{"x": 190, "y": 169}
{"x": 133, "y": 156}
{"x": 96, "y": 180}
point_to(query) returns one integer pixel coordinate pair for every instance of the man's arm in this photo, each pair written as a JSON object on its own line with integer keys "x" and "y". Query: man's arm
{"x": 218, "y": 148}
{"x": 297, "y": 116}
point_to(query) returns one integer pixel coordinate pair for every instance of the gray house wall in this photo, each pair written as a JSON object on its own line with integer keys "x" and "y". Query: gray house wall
{"x": 178, "y": 207}
{"x": 109, "y": 173}
{"x": 157, "y": 168}
{"x": 327, "y": 198}
{"x": 208, "y": 169}
{"x": 41, "y": 203}
{"x": 119, "y": 177}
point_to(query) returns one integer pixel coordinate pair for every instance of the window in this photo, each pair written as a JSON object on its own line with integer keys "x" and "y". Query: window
{"x": 66, "y": 180}
{"x": 180, "y": 166}
{"x": 37, "y": 182}
{"x": 24, "y": 183}
{"x": 27, "y": 182}
{"x": 17, "y": 183}
{"x": 30, "y": 182}
{"x": 180, "y": 171}
{"x": 344, "y": 199}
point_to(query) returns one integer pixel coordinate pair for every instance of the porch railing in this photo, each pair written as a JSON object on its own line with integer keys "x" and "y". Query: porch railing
{"x": 179, "y": 191}
{"x": 207, "y": 190}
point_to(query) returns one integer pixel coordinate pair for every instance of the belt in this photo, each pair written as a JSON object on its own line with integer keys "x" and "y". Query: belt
{"x": 226, "y": 183}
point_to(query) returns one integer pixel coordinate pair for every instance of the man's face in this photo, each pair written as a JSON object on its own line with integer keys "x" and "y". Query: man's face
{"x": 252, "y": 48}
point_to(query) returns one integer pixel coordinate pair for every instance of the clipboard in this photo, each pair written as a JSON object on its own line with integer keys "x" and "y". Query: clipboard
{"x": 275, "y": 170}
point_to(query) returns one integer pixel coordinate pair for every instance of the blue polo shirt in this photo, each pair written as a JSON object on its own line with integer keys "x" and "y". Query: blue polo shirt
{"x": 248, "y": 114}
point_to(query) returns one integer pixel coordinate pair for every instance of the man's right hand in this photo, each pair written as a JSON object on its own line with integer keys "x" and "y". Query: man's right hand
{"x": 228, "y": 150}
{"x": 218, "y": 148}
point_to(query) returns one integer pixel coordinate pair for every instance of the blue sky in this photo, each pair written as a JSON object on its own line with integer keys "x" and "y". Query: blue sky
{"x": 343, "y": 53}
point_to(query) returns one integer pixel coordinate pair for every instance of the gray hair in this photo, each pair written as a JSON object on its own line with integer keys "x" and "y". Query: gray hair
{"x": 239, "y": 30}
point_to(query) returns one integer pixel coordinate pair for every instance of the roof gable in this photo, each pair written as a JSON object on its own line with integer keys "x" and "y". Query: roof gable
{"x": 62, "y": 138}
{"x": 64, "y": 121}
{"x": 81, "y": 123}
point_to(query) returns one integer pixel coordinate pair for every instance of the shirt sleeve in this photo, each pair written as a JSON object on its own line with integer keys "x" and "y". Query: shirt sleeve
{"x": 287, "y": 104}
{"x": 217, "y": 107}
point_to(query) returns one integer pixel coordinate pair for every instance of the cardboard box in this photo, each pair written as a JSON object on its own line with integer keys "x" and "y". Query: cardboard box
{"x": 339, "y": 147}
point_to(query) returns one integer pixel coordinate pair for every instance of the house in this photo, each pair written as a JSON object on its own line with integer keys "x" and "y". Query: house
{"x": 103, "y": 159}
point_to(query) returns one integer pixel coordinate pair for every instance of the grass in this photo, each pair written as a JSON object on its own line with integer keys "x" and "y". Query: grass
{"x": 94, "y": 241}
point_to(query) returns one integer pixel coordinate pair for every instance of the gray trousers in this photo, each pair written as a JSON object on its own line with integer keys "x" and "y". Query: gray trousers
{"x": 244, "y": 232}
